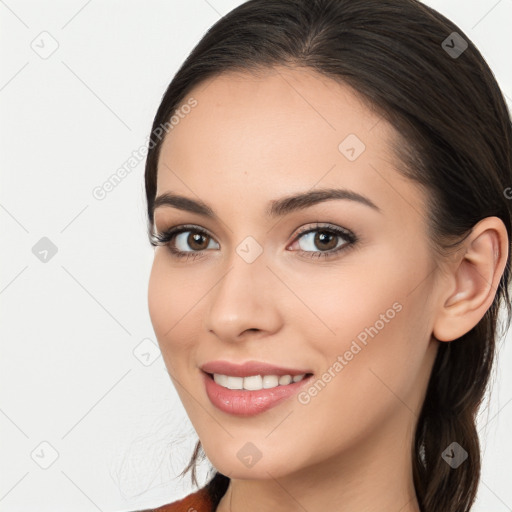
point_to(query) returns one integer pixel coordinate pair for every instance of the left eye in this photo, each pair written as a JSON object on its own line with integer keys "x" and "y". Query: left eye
{"x": 321, "y": 240}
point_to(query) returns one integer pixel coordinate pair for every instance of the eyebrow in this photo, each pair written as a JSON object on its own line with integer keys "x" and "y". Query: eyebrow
{"x": 276, "y": 207}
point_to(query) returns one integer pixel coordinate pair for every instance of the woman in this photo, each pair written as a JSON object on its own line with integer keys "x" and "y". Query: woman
{"x": 329, "y": 194}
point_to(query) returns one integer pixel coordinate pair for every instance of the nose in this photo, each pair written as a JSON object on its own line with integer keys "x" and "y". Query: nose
{"x": 244, "y": 300}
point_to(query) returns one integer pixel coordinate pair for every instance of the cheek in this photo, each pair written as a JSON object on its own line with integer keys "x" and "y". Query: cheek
{"x": 349, "y": 303}
{"x": 383, "y": 362}
{"x": 171, "y": 305}
{"x": 381, "y": 333}
{"x": 170, "y": 296}
{"x": 375, "y": 384}
{"x": 374, "y": 295}
{"x": 159, "y": 299}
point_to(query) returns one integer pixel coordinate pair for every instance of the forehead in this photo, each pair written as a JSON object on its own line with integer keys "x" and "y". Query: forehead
{"x": 277, "y": 132}
{"x": 273, "y": 112}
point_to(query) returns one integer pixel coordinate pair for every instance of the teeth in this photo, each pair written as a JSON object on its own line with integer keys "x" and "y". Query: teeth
{"x": 222, "y": 380}
{"x": 270, "y": 381}
{"x": 235, "y": 382}
{"x": 255, "y": 382}
{"x": 284, "y": 380}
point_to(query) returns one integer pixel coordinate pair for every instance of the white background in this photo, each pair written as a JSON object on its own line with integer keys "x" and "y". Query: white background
{"x": 70, "y": 326}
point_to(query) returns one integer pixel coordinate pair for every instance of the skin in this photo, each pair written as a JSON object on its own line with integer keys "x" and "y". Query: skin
{"x": 255, "y": 138}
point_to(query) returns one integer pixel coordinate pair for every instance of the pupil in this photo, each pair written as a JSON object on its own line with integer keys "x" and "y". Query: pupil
{"x": 323, "y": 235}
{"x": 195, "y": 237}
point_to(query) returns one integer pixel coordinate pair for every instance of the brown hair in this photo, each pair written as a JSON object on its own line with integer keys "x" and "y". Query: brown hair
{"x": 407, "y": 65}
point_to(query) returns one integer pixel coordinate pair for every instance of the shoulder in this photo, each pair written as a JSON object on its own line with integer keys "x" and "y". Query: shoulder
{"x": 198, "y": 501}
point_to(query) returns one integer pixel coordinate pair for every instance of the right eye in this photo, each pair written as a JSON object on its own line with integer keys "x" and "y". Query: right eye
{"x": 177, "y": 238}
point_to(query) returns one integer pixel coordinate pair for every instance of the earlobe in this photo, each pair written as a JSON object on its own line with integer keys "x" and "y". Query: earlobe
{"x": 473, "y": 280}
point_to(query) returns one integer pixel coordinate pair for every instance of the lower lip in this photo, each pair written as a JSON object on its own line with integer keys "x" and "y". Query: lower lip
{"x": 241, "y": 402}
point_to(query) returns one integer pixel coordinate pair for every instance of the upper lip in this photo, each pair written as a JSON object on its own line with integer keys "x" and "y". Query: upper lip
{"x": 249, "y": 368}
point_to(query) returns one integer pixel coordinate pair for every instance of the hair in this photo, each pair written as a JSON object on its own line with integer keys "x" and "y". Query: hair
{"x": 454, "y": 139}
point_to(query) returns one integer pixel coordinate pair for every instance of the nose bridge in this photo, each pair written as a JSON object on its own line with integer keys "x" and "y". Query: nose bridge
{"x": 241, "y": 299}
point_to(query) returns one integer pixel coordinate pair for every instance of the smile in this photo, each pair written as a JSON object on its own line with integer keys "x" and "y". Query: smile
{"x": 248, "y": 396}
{"x": 255, "y": 382}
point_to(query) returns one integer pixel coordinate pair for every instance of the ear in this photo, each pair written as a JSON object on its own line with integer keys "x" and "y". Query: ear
{"x": 472, "y": 279}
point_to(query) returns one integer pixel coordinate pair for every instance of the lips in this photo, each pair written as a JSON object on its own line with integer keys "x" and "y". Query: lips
{"x": 249, "y": 402}
{"x": 250, "y": 368}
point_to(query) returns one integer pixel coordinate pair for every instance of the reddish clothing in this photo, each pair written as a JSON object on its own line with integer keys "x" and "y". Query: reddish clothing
{"x": 198, "y": 501}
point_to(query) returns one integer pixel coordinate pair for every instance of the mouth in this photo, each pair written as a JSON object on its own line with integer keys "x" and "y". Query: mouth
{"x": 250, "y": 369}
{"x": 256, "y": 382}
{"x": 251, "y": 394}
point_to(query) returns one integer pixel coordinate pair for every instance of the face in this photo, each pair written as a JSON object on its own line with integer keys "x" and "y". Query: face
{"x": 339, "y": 288}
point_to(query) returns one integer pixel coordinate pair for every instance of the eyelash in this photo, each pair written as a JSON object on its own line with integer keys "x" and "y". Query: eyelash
{"x": 164, "y": 239}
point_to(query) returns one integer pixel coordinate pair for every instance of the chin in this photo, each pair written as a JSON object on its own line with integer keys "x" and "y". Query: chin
{"x": 249, "y": 463}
